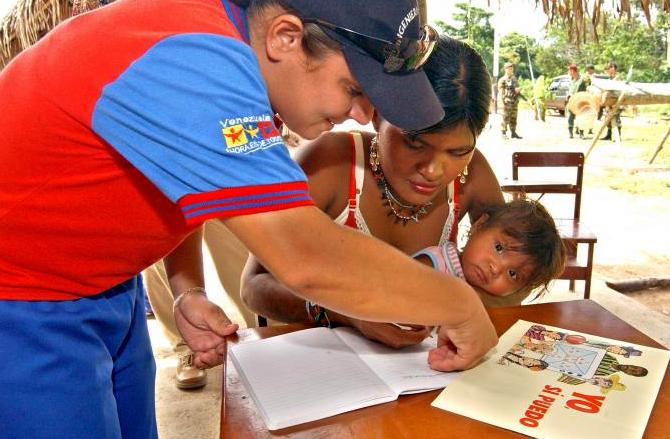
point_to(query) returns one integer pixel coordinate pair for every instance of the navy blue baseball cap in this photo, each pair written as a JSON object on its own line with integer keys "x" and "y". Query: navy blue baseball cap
{"x": 385, "y": 46}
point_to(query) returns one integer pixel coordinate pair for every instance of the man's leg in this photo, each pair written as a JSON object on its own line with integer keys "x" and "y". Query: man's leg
{"x": 61, "y": 379}
{"x": 229, "y": 256}
{"x": 134, "y": 376}
{"x": 505, "y": 121}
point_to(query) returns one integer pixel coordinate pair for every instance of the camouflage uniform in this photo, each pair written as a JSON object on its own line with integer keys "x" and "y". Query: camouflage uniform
{"x": 576, "y": 85}
{"x": 510, "y": 100}
{"x": 616, "y": 118}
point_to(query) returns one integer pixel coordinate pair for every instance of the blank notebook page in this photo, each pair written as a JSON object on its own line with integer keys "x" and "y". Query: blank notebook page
{"x": 405, "y": 370}
{"x": 306, "y": 375}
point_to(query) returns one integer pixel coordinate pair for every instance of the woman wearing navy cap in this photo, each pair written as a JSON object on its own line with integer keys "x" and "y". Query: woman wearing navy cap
{"x": 130, "y": 126}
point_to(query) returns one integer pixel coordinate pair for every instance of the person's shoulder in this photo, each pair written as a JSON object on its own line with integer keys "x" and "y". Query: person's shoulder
{"x": 327, "y": 162}
{"x": 329, "y": 148}
{"x": 481, "y": 188}
{"x": 479, "y": 165}
{"x": 331, "y": 151}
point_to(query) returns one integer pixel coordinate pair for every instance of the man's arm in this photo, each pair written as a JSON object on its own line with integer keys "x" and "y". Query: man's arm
{"x": 364, "y": 278}
{"x": 263, "y": 294}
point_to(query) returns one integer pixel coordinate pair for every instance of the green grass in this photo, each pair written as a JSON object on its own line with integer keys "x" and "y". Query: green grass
{"x": 633, "y": 181}
{"x": 653, "y": 110}
{"x": 625, "y": 166}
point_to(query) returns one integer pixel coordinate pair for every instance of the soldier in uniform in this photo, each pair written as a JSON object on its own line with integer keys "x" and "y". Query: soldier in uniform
{"x": 588, "y": 76}
{"x": 616, "y": 119}
{"x": 577, "y": 84}
{"x": 508, "y": 94}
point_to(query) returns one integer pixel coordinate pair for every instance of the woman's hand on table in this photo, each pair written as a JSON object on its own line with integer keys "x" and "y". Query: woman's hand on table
{"x": 391, "y": 334}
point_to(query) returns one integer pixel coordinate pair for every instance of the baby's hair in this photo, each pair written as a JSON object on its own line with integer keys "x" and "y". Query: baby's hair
{"x": 530, "y": 225}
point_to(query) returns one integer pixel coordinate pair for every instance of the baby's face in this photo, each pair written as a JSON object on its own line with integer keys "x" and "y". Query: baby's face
{"x": 489, "y": 264}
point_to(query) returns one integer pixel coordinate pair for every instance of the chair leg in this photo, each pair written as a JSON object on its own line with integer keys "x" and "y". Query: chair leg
{"x": 571, "y": 251}
{"x": 589, "y": 270}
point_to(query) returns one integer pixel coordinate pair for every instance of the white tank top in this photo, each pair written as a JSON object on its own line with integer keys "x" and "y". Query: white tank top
{"x": 359, "y": 173}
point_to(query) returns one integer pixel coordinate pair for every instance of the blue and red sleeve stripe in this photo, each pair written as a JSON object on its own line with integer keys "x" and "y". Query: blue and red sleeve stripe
{"x": 244, "y": 201}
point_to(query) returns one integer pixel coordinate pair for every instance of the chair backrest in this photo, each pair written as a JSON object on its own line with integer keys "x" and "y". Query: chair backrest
{"x": 553, "y": 159}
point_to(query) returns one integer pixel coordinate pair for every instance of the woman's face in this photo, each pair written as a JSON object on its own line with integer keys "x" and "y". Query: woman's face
{"x": 419, "y": 169}
{"x": 317, "y": 94}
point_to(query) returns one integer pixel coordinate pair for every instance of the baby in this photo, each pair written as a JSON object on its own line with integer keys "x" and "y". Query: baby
{"x": 512, "y": 249}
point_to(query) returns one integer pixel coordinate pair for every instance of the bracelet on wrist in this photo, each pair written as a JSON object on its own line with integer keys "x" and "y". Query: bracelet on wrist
{"x": 317, "y": 314}
{"x": 186, "y": 292}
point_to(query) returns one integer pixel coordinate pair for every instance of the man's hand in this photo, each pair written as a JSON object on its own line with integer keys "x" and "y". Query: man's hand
{"x": 204, "y": 327}
{"x": 390, "y": 334}
{"x": 463, "y": 346}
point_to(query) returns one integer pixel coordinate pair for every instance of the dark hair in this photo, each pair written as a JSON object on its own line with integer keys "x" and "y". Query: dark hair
{"x": 612, "y": 64}
{"x": 528, "y": 222}
{"x": 462, "y": 84}
{"x": 316, "y": 43}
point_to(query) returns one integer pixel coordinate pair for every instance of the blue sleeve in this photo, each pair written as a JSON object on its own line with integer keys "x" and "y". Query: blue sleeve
{"x": 192, "y": 115}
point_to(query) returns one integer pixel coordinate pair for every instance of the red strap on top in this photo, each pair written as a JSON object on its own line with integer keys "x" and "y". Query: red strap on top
{"x": 278, "y": 122}
{"x": 453, "y": 234}
{"x": 351, "y": 218}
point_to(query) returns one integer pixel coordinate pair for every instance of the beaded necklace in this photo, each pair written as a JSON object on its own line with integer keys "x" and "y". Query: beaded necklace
{"x": 402, "y": 211}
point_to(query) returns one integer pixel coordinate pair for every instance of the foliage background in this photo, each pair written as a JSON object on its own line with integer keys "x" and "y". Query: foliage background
{"x": 629, "y": 41}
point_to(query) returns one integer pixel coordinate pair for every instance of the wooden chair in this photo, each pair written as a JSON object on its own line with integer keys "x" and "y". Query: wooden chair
{"x": 572, "y": 231}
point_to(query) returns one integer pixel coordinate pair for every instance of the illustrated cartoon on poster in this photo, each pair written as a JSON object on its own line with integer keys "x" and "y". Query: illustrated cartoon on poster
{"x": 576, "y": 359}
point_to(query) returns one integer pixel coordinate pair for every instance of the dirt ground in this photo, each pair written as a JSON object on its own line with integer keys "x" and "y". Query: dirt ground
{"x": 632, "y": 229}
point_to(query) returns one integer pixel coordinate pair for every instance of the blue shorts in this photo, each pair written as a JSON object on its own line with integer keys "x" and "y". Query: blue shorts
{"x": 77, "y": 369}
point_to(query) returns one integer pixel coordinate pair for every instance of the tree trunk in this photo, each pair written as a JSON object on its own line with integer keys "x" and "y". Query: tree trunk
{"x": 627, "y": 286}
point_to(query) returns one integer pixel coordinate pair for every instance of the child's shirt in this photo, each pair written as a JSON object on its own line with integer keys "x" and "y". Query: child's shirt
{"x": 444, "y": 258}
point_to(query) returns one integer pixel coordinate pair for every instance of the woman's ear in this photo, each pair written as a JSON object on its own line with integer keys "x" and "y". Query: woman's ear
{"x": 283, "y": 37}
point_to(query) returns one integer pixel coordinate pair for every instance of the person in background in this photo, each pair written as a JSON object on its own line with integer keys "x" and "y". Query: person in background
{"x": 508, "y": 94}
{"x": 540, "y": 98}
{"x": 166, "y": 125}
{"x": 589, "y": 73}
{"x": 408, "y": 190}
{"x": 615, "y": 121}
{"x": 576, "y": 85}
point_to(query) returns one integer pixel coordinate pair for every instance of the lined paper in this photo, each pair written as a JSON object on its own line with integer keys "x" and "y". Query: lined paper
{"x": 306, "y": 375}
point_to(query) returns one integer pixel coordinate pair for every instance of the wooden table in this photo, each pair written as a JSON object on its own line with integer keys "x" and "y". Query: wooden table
{"x": 412, "y": 416}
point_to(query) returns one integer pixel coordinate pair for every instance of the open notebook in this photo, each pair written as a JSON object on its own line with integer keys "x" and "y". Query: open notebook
{"x": 550, "y": 382}
{"x": 315, "y": 373}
